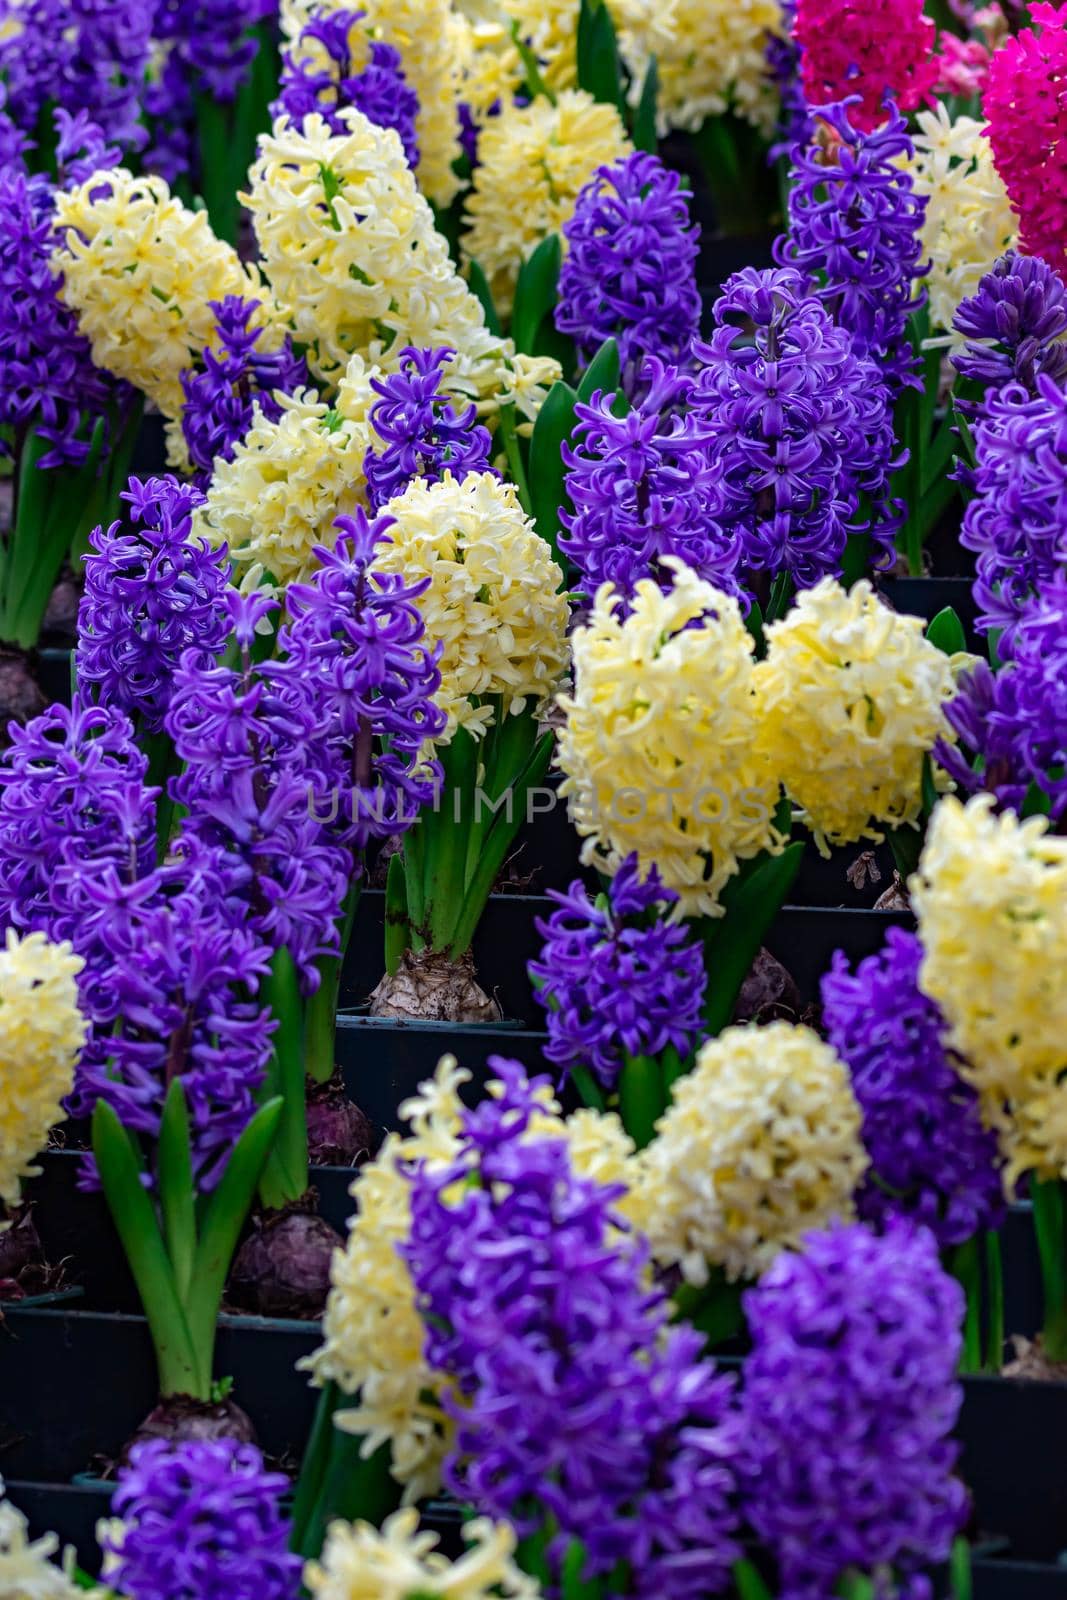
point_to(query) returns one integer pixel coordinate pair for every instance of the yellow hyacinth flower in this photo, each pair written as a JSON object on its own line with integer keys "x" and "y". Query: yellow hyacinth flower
{"x": 397, "y": 1562}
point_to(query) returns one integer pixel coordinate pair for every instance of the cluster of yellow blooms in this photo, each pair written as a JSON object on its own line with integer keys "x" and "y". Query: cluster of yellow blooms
{"x": 140, "y": 269}
{"x": 657, "y": 748}
{"x": 373, "y": 1333}
{"x": 27, "y": 1571}
{"x": 991, "y": 899}
{"x": 284, "y": 487}
{"x": 532, "y": 162}
{"x": 850, "y": 700}
{"x": 969, "y": 221}
{"x": 41, "y": 1036}
{"x": 761, "y": 1144}
{"x": 360, "y": 1562}
{"x": 494, "y": 599}
{"x": 432, "y": 43}
{"x": 710, "y": 57}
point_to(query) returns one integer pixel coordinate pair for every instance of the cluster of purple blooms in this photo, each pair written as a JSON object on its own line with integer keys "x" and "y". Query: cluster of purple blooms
{"x": 235, "y": 377}
{"x": 850, "y": 1399}
{"x": 629, "y": 273}
{"x": 423, "y": 432}
{"x": 931, "y": 1158}
{"x": 200, "y": 1520}
{"x": 1014, "y": 324}
{"x": 583, "y": 1415}
{"x": 328, "y": 81}
{"x": 616, "y": 980}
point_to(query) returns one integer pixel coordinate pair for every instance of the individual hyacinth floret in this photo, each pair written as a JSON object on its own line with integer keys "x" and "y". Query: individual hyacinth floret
{"x": 849, "y": 1405}
{"x": 625, "y": 1438}
{"x": 846, "y": 48}
{"x": 630, "y": 270}
{"x": 418, "y": 430}
{"x": 799, "y": 430}
{"x": 357, "y": 636}
{"x": 199, "y": 1519}
{"x": 151, "y": 594}
{"x": 1016, "y": 521}
{"x": 236, "y": 375}
{"x": 855, "y": 232}
{"x": 615, "y": 979}
{"x": 931, "y": 1158}
{"x": 332, "y": 64}
{"x": 643, "y": 487}
{"x": 1015, "y": 720}
{"x": 760, "y": 1143}
{"x": 1014, "y": 325}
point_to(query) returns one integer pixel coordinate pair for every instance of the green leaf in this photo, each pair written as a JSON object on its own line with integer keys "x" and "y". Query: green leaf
{"x": 929, "y": 791}
{"x": 589, "y": 1090}
{"x": 732, "y": 942}
{"x": 946, "y": 632}
{"x": 602, "y": 373}
{"x": 750, "y": 1586}
{"x": 535, "y": 293}
{"x": 223, "y": 1220}
{"x": 444, "y": 836}
{"x": 177, "y": 1192}
{"x": 1050, "y": 1225}
{"x": 906, "y": 844}
{"x": 575, "y": 1586}
{"x": 960, "y": 1570}
{"x": 644, "y": 128}
{"x": 534, "y": 81}
{"x": 548, "y": 495}
{"x": 285, "y": 1174}
{"x": 642, "y": 1100}
{"x": 479, "y": 285}
{"x": 313, "y": 1467}
{"x": 397, "y": 927}
{"x": 354, "y": 1487}
{"x": 599, "y": 72}
{"x": 135, "y": 1221}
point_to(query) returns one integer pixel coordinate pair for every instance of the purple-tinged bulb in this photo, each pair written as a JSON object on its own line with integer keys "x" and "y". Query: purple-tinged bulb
{"x": 235, "y": 377}
{"x": 854, "y": 232}
{"x": 357, "y": 637}
{"x": 327, "y": 80}
{"x": 423, "y": 431}
{"x": 1011, "y": 726}
{"x": 629, "y": 273}
{"x": 617, "y": 980}
{"x": 643, "y": 487}
{"x": 1016, "y": 520}
{"x": 850, "y": 1399}
{"x": 48, "y": 382}
{"x": 1014, "y": 324}
{"x": 931, "y": 1158}
{"x": 799, "y": 430}
{"x": 200, "y": 1520}
{"x": 152, "y": 594}
{"x": 579, "y": 1409}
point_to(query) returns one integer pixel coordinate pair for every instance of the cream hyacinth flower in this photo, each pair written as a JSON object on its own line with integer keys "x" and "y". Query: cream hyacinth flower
{"x": 969, "y": 221}
{"x": 42, "y": 1033}
{"x": 761, "y": 1144}
{"x": 991, "y": 898}
{"x": 532, "y": 162}
{"x": 140, "y": 270}
{"x": 360, "y": 1563}
{"x": 27, "y": 1571}
{"x": 710, "y": 57}
{"x": 657, "y": 749}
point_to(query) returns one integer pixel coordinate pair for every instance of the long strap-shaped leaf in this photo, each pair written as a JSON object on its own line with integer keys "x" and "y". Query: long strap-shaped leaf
{"x": 135, "y": 1220}
{"x": 177, "y": 1195}
{"x": 285, "y": 1174}
{"x": 223, "y": 1220}
{"x": 752, "y": 902}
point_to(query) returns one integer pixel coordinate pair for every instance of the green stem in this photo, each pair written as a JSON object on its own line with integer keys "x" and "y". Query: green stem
{"x": 642, "y": 1100}
{"x": 313, "y": 1467}
{"x": 964, "y": 1263}
{"x": 994, "y": 1265}
{"x": 320, "y": 1012}
{"x": 1048, "y": 1202}
{"x": 285, "y": 1175}
{"x": 514, "y": 455}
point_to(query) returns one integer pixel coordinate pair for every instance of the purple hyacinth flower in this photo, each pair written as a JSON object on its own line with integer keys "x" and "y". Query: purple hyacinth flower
{"x": 200, "y": 1520}
{"x": 853, "y": 231}
{"x": 1014, "y": 721}
{"x": 48, "y": 382}
{"x": 850, "y": 1399}
{"x": 617, "y": 980}
{"x": 424, "y": 433}
{"x": 84, "y": 55}
{"x": 379, "y": 89}
{"x": 1016, "y": 522}
{"x": 643, "y": 487}
{"x": 629, "y": 272}
{"x": 580, "y": 1410}
{"x": 932, "y": 1159}
{"x": 1014, "y": 324}
{"x": 214, "y": 40}
{"x": 220, "y": 398}
{"x": 151, "y": 594}
{"x": 799, "y": 430}
{"x": 795, "y": 125}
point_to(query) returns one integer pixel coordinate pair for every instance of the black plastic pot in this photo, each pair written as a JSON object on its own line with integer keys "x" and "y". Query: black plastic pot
{"x": 1012, "y": 1431}
{"x": 841, "y": 881}
{"x": 70, "y": 1510}
{"x": 53, "y": 674}
{"x": 804, "y": 939}
{"x": 75, "y": 1385}
{"x": 926, "y": 597}
{"x": 150, "y": 451}
{"x": 1016, "y": 1580}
